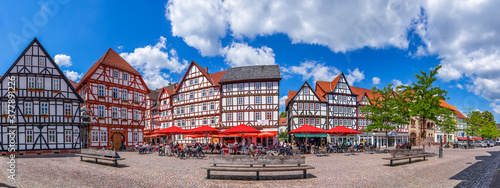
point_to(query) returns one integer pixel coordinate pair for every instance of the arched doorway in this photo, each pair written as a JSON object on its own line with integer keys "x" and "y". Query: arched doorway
{"x": 117, "y": 141}
{"x": 413, "y": 138}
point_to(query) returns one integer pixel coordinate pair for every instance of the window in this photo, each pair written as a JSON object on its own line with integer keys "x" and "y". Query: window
{"x": 212, "y": 105}
{"x": 204, "y": 106}
{"x": 192, "y": 122}
{"x": 204, "y": 93}
{"x": 31, "y": 83}
{"x": 212, "y": 120}
{"x": 240, "y": 100}
{"x": 104, "y": 136}
{"x": 95, "y": 136}
{"x": 317, "y": 106}
{"x": 124, "y": 94}
{"x": 67, "y": 110}
{"x": 335, "y": 109}
{"x": 101, "y": 90}
{"x": 125, "y": 76}
{"x": 240, "y": 116}
{"x": 28, "y": 108}
{"x": 44, "y": 108}
{"x": 205, "y": 121}
{"x": 115, "y": 74}
{"x": 312, "y": 121}
{"x": 115, "y": 93}
{"x": 136, "y": 115}
{"x": 67, "y": 136}
{"x": 211, "y": 91}
{"x": 306, "y": 106}
{"x": 135, "y": 136}
{"x": 306, "y": 91}
{"x": 182, "y": 110}
{"x": 240, "y": 87}
{"x": 257, "y": 85}
{"x": 52, "y": 136}
{"x": 345, "y": 110}
{"x": 114, "y": 113}
{"x": 55, "y": 86}
{"x": 336, "y": 122}
{"x": 229, "y": 101}
{"x": 269, "y": 115}
{"x": 301, "y": 121}
{"x": 29, "y": 136}
{"x": 183, "y": 123}
{"x": 257, "y": 100}
{"x": 191, "y": 108}
{"x": 191, "y": 82}
{"x": 317, "y": 121}
{"x": 124, "y": 113}
{"x": 136, "y": 97}
{"x": 102, "y": 111}
{"x": 229, "y": 117}
{"x": 27, "y": 60}
{"x": 341, "y": 109}
{"x": 181, "y": 97}
{"x": 229, "y": 87}
{"x": 257, "y": 115}
{"x": 5, "y": 108}
{"x": 41, "y": 61}
{"x": 196, "y": 81}
{"x": 300, "y": 105}
{"x": 39, "y": 83}
{"x": 269, "y": 85}
{"x": 269, "y": 99}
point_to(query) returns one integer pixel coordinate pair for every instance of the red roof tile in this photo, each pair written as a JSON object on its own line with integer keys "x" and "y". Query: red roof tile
{"x": 282, "y": 122}
{"x": 291, "y": 94}
{"x": 112, "y": 59}
{"x": 444, "y": 104}
{"x": 217, "y": 76}
{"x": 73, "y": 83}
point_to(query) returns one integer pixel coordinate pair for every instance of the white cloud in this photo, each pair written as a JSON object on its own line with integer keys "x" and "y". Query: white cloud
{"x": 459, "y": 86}
{"x": 396, "y": 83}
{"x": 152, "y": 60}
{"x": 496, "y": 108}
{"x": 240, "y": 54}
{"x": 72, "y": 75}
{"x": 311, "y": 69}
{"x": 421, "y": 51}
{"x": 63, "y": 60}
{"x": 354, "y": 76}
{"x": 376, "y": 80}
{"x": 283, "y": 101}
{"x": 379, "y": 24}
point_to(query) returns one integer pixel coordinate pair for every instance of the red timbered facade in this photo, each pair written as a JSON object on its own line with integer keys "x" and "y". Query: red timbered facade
{"x": 114, "y": 92}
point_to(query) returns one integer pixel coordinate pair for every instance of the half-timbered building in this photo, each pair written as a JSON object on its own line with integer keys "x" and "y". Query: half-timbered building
{"x": 196, "y": 100}
{"x": 341, "y": 102}
{"x": 250, "y": 95}
{"x": 165, "y": 106}
{"x": 46, "y": 105}
{"x": 152, "y": 115}
{"x": 114, "y": 92}
{"x": 305, "y": 107}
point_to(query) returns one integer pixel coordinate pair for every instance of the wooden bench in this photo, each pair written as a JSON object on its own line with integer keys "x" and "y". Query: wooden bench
{"x": 99, "y": 154}
{"x": 406, "y": 154}
{"x": 258, "y": 164}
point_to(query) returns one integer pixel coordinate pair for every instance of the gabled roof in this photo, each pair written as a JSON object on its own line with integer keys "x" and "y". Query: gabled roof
{"x": 326, "y": 87}
{"x": 212, "y": 78}
{"x": 291, "y": 94}
{"x": 73, "y": 83}
{"x": 168, "y": 89}
{"x": 216, "y": 77}
{"x": 111, "y": 59}
{"x": 335, "y": 82}
{"x": 360, "y": 92}
{"x": 153, "y": 96}
{"x": 444, "y": 104}
{"x": 257, "y": 72}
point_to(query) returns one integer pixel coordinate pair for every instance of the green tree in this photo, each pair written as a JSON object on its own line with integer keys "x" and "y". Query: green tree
{"x": 488, "y": 116}
{"x": 283, "y": 115}
{"x": 283, "y": 135}
{"x": 473, "y": 120}
{"x": 385, "y": 114}
{"x": 488, "y": 130}
{"x": 424, "y": 99}
{"x": 447, "y": 123}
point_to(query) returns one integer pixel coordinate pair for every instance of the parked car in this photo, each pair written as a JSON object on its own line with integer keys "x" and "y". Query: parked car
{"x": 490, "y": 143}
{"x": 484, "y": 144}
{"x": 477, "y": 143}
{"x": 497, "y": 143}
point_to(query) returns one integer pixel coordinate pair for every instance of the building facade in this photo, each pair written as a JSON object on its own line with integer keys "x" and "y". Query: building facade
{"x": 152, "y": 116}
{"x": 46, "y": 106}
{"x": 250, "y": 95}
{"x": 306, "y": 107}
{"x": 114, "y": 93}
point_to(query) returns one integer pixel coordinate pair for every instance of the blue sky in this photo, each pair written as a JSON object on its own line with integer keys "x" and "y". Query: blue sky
{"x": 311, "y": 41}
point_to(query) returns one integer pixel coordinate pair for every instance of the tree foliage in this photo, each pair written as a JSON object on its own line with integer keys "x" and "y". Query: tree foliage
{"x": 447, "y": 123}
{"x": 282, "y": 114}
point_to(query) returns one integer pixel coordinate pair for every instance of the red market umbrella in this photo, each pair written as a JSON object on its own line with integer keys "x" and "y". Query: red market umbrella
{"x": 461, "y": 139}
{"x": 341, "y": 130}
{"x": 242, "y": 129}
{"x": 174, "y": 130}
{"x": 266, "y": 134}
{"x": 307, "y": 129}
{"x": 203, "y": 130}
{"x": 477, "y": 138}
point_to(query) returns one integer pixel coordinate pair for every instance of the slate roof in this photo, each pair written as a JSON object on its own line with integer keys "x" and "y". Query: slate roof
{"x": 153, "y": 96}
{"x": 257, "y": 72}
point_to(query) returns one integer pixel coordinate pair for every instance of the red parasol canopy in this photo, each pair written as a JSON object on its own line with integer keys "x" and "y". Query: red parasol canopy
{"x": 266, "y": 134}
{"x": 242, "y": 129}
{"x": 307, "y": 129}
{"x": 170, "y": 131}
{"x": 461, "y": 139}
{"x": 477, "y": 138}
{"x": 203, "y": 130}
{"x": 341, "y": 130}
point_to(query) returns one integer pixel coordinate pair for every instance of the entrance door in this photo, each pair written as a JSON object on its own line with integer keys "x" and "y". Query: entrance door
{"x": 117, "y": 141}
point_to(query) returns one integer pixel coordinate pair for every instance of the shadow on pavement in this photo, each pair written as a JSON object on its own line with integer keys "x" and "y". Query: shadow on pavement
{"x": 5, "y": 185}
{"x": 475, "y": 175}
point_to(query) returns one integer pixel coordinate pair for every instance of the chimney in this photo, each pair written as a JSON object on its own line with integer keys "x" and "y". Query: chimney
{"x": 206, "y": 68}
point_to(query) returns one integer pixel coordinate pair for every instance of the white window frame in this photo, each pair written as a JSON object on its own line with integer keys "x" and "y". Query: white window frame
{"x": 28, "y": 108}
{"x": 27, "y": 60}
{"x": 229, "y": 117}
{"x": 116, "y": 74}
{"x": 114, "y": 112}
{"x": 67, "y": 136}
{"x": 125, "y": 76}
{"x": 135, "y": 136}
{"x": 204, "y": 106}
{"x": 67, "y": 109}
{"x": 55, "y": 85}
{"x": 124, "y": 113}
{"x": 240, "y": 100}
{"x": 124, "y": 95}
{"x": 101, "y": 111}
{"x": 212, "y": 105}
{"x": 205, "y": 121}
{"x": 31, "y": 83}
{"x": 52, "y": 135}
{"x": 29, "y": 136}
{"x": 103, "y": 137}
{"x": 229, "y": 87}
{"x": 240, "y": 116}
{"x": 240, "y": 87}
{"x": 257, "y": 116}
{"x": 41, "y": 61}
{"x": 204, "y": 93}
{"x": 229, "y": 101}
{"x": 257, "y": 85}
{"x": 257, "y": 100}
{"x": 44, "y": 108}
{"x": 101, "y": 90}
{"x": 136, "y": 97}
{"x": 212, "y": 120}
{"x": 94, "y": 135}
{"x": 269, "y": 115}
{"x": 269, "y": 85}
{"x": 39, "y": 82}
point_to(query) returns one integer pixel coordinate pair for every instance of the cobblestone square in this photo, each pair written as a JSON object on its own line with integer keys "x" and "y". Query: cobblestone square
{"x": 462, "y": 168}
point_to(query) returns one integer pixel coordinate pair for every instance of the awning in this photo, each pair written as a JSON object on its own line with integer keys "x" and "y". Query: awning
{"x": 310, "y": 135}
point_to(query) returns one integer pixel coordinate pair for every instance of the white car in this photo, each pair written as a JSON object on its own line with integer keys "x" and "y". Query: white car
{"x": 484, "y": 144}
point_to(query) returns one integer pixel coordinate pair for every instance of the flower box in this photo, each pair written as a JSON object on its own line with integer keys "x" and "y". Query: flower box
{"x": 40, "y": 90}
{"x": 30, "y": 89}
{"x": 124, "y": 119}
{"x": 5, "y": 115}
{"x": 124, "y": 100}
{"x": 28, "y": 115}
{"x": 44, "y": 115}
{"x": 101, "y": 97}
{"x": 114, "y": 119}
{"x": 56, "y": 91}
{"x": 101, "y": 118}
{"x": 68, "y": 116}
